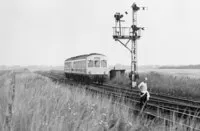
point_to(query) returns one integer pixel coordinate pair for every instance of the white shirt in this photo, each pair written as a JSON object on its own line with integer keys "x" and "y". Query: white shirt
{"x": 143, "y": 88}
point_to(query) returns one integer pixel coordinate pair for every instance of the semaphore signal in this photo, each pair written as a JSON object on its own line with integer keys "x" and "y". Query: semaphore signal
{"x": 132, "y": 33}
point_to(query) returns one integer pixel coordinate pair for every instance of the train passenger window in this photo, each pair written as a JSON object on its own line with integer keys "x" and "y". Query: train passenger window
{"x": 90, "y": 63}
{"x": 97, "y": 63}
{"x": 68, "y": 64}
{"x": 103, "y": 63}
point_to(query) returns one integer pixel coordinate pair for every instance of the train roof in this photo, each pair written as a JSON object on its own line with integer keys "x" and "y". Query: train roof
{"x": 83, "y": 56}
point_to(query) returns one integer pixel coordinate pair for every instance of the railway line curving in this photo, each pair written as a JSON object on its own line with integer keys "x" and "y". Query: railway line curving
{"x": 165, "y": 104}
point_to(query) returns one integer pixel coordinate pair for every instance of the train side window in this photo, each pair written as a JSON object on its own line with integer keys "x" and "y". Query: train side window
{"x": 103, "y": 63}
{"x": 68, "y": 65}
{"x": 90, "y": 63}
{"x": 97, "y": 63}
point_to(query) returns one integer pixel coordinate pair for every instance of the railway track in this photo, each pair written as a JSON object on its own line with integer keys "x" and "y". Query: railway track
{"x": 168, "y": 120}
{"x": 173, "y": 102}
{"x": 161, "y": 96}
{"x": 165, "y": 104}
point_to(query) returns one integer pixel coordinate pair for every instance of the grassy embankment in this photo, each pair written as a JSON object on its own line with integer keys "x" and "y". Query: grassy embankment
{"x": 41, "y": 105}
{"x": 167, "y": 84}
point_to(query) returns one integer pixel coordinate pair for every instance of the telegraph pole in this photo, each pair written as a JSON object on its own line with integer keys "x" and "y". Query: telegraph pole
{"x": 132, "y": 34}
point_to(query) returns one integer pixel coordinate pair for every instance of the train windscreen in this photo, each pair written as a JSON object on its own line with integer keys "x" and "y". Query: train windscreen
{"x": 97, "y": 63}
{"x": 90, "y": 63}
{"x": 103, "y": 63}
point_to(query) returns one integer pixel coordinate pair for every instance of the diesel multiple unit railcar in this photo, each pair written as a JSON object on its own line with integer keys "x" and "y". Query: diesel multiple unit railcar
{"x": 87, "y": 68}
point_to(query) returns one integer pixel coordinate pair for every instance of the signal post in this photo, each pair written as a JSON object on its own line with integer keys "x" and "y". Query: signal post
{"x": 126, "y": 34}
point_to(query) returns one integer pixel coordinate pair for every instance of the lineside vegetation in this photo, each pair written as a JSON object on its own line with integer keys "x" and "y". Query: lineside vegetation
{"x": 41, "y": 105}
{"x": 167, "y": 84}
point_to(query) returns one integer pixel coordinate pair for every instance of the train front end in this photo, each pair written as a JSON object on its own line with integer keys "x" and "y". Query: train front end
{"x": 97, "y": 67}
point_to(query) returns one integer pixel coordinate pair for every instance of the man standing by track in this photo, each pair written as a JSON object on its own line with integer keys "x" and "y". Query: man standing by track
{"x": 144, "y": 94}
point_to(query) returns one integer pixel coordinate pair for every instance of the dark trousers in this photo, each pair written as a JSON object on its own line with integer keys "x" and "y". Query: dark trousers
{"x": 143, "y": 100}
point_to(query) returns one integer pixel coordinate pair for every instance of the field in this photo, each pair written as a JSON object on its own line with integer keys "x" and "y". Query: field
{"x": 191, "y": 73}
{"x": 174, "y": 82}
{"x": 38, "y": 104}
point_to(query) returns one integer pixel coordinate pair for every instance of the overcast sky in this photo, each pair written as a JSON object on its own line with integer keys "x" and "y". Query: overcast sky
{"x": 46, "y": 32}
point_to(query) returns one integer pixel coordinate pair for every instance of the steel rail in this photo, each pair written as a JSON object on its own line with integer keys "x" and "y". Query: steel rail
{"x": 192, "y": 102}
{"x": 166, "y": 108}
{"x": 148, "y": 113}
{"x": 159, "y": 100}
{"x": 60, "y": 76}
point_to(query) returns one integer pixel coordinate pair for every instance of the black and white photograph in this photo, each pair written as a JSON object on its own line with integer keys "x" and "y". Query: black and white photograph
{"x": 99, "y": 65}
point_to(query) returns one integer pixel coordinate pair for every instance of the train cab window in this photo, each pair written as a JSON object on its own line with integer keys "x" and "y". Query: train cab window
{"x": 97, "y": 63}
{"x": 90, "y": 63}
{"x": 103, "y": 63}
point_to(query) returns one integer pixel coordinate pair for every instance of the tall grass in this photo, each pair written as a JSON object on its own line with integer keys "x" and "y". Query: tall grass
{"x": 173, "y": 85}
{"x": 167, "y": 84}
{"x": 41, "y": 105}
{"x": 121, "y": 80}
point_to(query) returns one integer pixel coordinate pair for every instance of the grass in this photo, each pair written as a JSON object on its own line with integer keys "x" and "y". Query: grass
{"x": 192, "y": 73}
{"x": 41, "y": 105}
{"x": 121, "y": 80}
{"x": 168, "y": 84}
